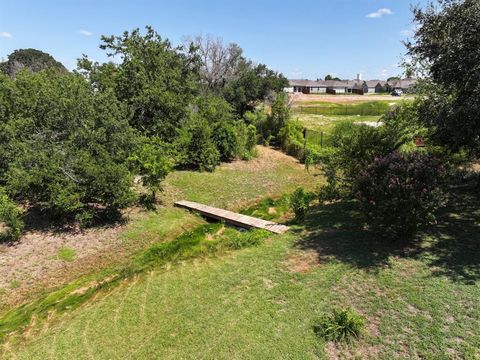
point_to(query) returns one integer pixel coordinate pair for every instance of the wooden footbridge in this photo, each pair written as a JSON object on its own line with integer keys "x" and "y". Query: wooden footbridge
{"x": 233, "y": 218}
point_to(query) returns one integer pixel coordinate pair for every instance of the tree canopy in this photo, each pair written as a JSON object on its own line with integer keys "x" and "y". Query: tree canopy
{"x": 30, "y": 59}
{"x": 446, "y": 51}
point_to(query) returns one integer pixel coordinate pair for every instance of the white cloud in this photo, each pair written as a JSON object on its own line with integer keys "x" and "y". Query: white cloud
{"x": 85, "y": 32}
{"x": 379, "y": 13}
{"x": 5, "y": 34}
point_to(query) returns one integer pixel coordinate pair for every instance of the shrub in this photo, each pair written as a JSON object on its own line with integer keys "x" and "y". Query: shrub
{"x": 196, "y": 146}
{"x": 10, "y": 217}
{"x": 152, "y": 162}
{"x": 340, "y": 325}
{"x": 290, "y": 138}
{"x": 401, "y": 192}
{"x": 299, "y": 202}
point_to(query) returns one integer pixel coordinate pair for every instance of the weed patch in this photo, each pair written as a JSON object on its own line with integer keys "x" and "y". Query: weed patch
{"x": 340, "y": 325}
{"x": 66, "y": 254}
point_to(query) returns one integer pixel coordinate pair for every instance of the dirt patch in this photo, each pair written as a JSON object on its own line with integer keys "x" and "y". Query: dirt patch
{"x": 33, "y": 262}
{"x": 267, "y": 158}
{"x": 302, "y": 261}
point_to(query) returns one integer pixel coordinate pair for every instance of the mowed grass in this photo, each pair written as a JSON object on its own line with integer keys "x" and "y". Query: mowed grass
{"x": 419, "y": 300}
{"x": 242, "y": 183}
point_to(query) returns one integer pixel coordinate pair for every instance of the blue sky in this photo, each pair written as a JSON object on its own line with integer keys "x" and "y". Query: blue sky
{"x": 302, "y": 39}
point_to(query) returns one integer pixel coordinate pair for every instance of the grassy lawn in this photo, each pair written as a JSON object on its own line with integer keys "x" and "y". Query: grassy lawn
{"x": 202, "y": 299}
{"x": 326, "y": 123}
{"x": 420, "y": 300}
{"x": 242, "y": 183}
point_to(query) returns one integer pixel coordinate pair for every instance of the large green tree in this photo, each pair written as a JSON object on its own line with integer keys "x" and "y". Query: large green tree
{"x": 156, "y": 80}
{"x": 446, "y": 51}
{"x": 63, "y": 145}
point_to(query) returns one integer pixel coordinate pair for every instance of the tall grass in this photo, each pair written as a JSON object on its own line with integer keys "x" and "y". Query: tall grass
{"x": 371, "y": 108}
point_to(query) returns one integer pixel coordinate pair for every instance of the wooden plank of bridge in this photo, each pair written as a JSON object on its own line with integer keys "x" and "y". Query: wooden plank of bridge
{"x": 232, "y": 217}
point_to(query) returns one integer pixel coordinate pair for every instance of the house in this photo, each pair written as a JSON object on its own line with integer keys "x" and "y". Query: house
{"x": 373, "y": 86}
{"x": 357, "y": 86}
{"x": 406, "y": 85}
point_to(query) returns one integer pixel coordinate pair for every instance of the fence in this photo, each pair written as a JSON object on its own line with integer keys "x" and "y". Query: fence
{"x": 367, "y": 109}
{"x": 318, "y": 138}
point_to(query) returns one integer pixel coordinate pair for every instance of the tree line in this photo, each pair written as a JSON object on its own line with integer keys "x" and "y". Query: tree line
{"x": 71, "y": 143}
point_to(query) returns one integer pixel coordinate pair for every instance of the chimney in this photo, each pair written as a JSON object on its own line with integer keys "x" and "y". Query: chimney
{"x": 359, "y": 77}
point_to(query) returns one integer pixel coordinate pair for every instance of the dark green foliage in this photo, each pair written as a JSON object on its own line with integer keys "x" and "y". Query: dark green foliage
{"x": 246, "y": 239}
{"x": 300, "y": 202}
{"x": 251, "y": 84}
{"x": 63, "y": 145}
{"x": 152, "y": 162}
{"x": 156, "y": 80}
{"x": 11, "y": 223}
{"x": 290, "y": 138}
{"x": 280, "y": 114}
{"x": 196, "y": 146}
{"x": 446, "y": 49}
{"x": 353, "y": 148}
{"x": 401, "y": 192}
{"x": 29, "y": 59}
{"x": 402, "y": 122}
{"x": 340, "y": 325}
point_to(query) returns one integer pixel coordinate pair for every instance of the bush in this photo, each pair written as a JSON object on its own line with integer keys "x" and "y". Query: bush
{"x": 299, "y": 202}
{"x": 341, "y": 325}
{"x": 196, "y": 146}
{"x": 10, "y": 218}
{"x": 290, "y": 138}
{"x": 401, "y": 192}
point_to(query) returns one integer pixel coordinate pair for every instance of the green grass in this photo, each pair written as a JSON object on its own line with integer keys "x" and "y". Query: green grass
{"x": 240, "y": 185}
{"x": 66, "y": 254}
{"x": 418, "y": 300}
{"x": 369, "y": 108}
{"x": 326, "y": 123}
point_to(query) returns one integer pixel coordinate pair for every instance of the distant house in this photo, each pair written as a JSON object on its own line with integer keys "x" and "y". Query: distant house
{"x": 406, "y": 85}
{"x": 347, "y": 86}
{"x": 374, "y": 86}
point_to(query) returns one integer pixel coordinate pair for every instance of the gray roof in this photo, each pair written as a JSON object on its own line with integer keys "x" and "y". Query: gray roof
{"x": 404, "y": 84}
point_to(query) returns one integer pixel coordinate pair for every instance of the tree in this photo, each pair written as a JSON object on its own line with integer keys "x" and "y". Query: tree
{"x": 393, "y": 78}
{"x": 29, "y": 59}
{"x": 226, "y": 72}
{"x": 219, "y": 60}
{"x": 156, "y": 80}
{"x": 64, "y": 145}
{"x": 152, "y": 163}
{"x": 330, "y": 77}
{"x": 446, "y": 51}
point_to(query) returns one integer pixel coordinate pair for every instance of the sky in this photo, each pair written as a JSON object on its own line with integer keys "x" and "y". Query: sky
{"x": 304, "y": 39}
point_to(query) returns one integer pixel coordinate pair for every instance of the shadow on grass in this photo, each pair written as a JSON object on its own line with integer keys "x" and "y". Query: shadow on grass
{"x": 37, "y": 220}
{"x": 455, "y": 249}
{"x": 451, "y": 248}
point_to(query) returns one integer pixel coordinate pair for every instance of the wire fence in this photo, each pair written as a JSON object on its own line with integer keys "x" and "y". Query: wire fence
{"x": 318, "y": 138}
{"x": 368, "y": 109}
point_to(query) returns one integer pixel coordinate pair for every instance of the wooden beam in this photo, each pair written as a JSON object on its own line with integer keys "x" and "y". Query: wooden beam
{"x": 233, "y": 218}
